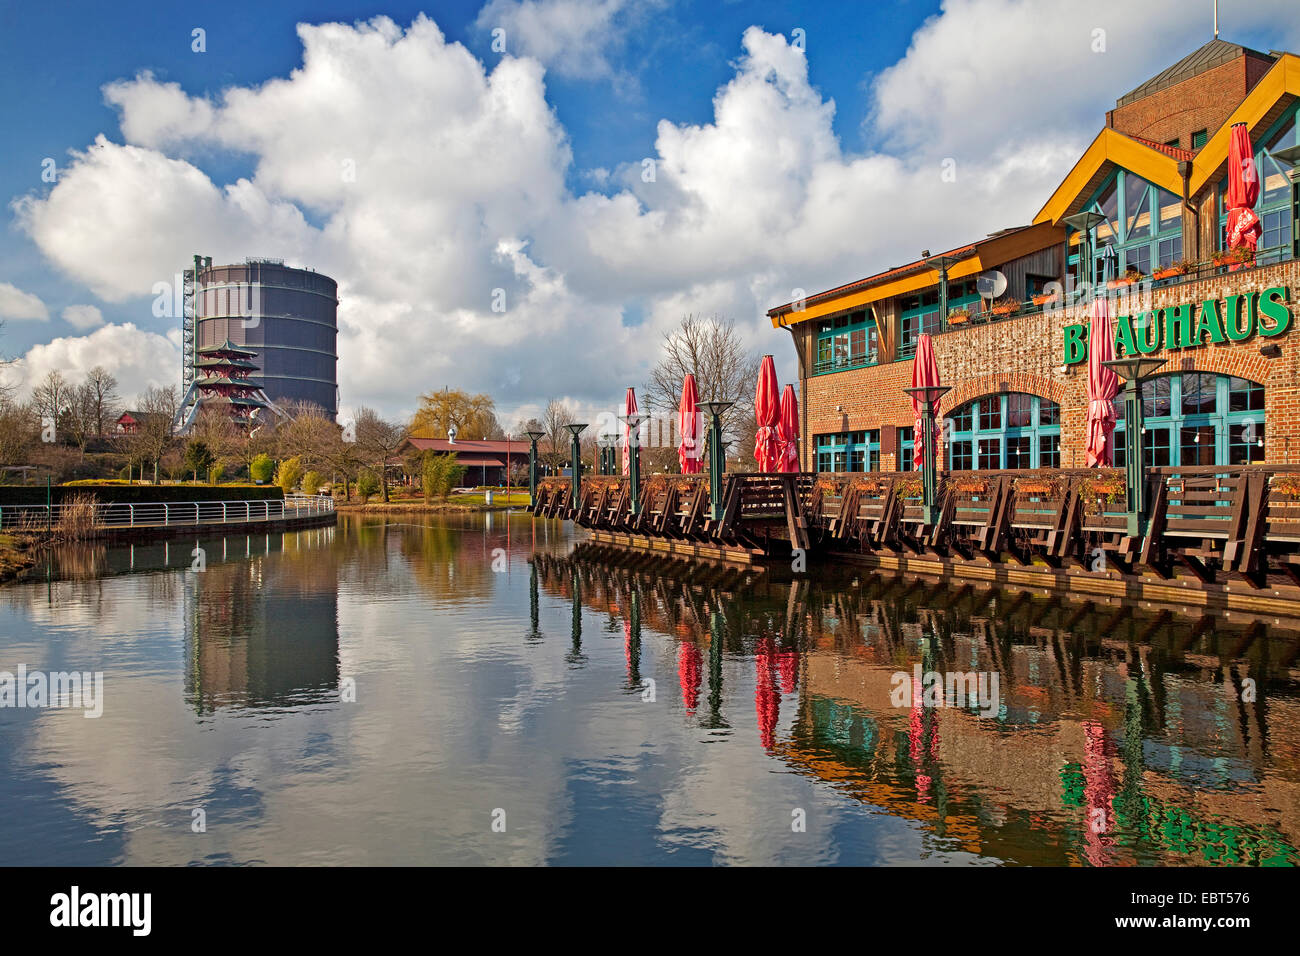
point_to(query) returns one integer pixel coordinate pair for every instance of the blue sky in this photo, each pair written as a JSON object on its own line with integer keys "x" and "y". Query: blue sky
{"x": 799, "y": 131}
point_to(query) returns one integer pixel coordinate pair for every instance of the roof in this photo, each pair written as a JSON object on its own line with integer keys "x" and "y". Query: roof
{"x": 1215, "y": 53}
{"x": 226, "y": 346}
{"x": 1177, "y": 152}
{"x": 463, "y": 447}
{"x": 479, "y": 461}
{"x": 139, "y": 416}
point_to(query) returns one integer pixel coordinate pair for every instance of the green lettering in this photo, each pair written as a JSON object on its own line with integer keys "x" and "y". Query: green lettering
{"x": 1209, "y": 322}
{"x": 1076, "y": 344}
{"x": 1178, "y": 327}
{"x": 1272, "y": 304}
{"x": 1234, "y": 307}
{"x": 1124, "y": 336}
{"x": 1148, "y": 333}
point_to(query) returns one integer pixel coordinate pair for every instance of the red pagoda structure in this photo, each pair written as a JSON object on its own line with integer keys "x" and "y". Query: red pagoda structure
{"x": 223, "y": 379}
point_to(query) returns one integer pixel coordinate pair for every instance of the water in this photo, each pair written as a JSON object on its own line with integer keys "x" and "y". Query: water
{"x": 599, "y": 708}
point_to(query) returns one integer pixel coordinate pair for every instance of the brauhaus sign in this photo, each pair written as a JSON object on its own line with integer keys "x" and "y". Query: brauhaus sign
{"x": 1188, "y": 326}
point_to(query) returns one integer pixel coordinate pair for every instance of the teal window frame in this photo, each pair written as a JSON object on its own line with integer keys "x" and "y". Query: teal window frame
{"x": 1275, "y": 214}
{"x": 1128, "y": 241}
{"x": 1171, "y": 428}
{"x": 843, "y": 452}
{"x": 1002, "y": 431}
{"x": 921, "y": 314}
{"x": 831, "y": 356}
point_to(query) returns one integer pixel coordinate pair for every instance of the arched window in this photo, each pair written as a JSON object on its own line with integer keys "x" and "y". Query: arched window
{"x": 1197, "y": 418}
{"x": 1011, "y": 430}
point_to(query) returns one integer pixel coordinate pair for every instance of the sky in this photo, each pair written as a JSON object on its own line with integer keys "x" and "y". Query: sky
{"x": 600, "y": 168}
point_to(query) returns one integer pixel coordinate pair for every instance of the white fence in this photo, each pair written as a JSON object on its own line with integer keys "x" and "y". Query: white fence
{"x": 156, "y": 514}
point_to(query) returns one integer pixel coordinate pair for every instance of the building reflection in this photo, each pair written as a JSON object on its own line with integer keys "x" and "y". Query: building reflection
{"x": 263, "y": 633}
{"x": 1123, "y": 734}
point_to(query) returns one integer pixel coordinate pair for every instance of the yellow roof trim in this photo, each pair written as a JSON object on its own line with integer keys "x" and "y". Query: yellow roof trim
{"x": 972, "y": 265}
{"x": 1113, "y": 147}
{"x": 1282, "y": 78}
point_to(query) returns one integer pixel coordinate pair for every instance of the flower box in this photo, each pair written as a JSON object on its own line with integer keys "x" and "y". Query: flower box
{"x": 1044, "y": 298}
{"x": 1168, "y": 272}
{"x": 958, "y": 316}
{"x": 908, "y": 487}
{"x": 1287, "y": 485}
{"x": 1097, "y": 493}
{"x": 1038, "y": 487}
{"x": 1006, "y": 306}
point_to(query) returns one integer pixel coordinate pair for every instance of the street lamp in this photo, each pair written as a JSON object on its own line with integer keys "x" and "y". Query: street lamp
{"x": 534, "y": 438}
{"x": 943, "y": 264}
{"x": 1291, "y": 156}
{"x": 1133, "y": 369}
{"x": 717, "y": 455}
{"x": 928, "y": 396}
{"x": 1085, "y": 222}
{"x": 634, "y": 420}
{"x": 576, "y": 459}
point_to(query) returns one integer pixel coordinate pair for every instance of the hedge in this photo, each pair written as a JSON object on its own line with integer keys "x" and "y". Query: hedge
{"x": 112, "y": 492}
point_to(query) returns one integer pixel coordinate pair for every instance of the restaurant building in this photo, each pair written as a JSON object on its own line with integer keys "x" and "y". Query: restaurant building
{"x": 1008, "y": 313}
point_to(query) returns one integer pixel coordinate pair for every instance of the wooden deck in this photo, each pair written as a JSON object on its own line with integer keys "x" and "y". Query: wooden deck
{"x": 1210, "y": 525}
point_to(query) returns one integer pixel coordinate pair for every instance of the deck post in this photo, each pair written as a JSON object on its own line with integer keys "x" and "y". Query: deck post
{"x": 533, "y": 438}
{"x": 575, "y": 430}
{"x": 717, "y": 455}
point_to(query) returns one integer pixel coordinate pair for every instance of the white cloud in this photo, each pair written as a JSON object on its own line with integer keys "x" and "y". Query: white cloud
{"x": 17, "y": 304}
{"x": 83, "y": 316}
{"x": 572, "y": 37}
{"x": 424, "y": 181}
{"x": 139, "y": 359}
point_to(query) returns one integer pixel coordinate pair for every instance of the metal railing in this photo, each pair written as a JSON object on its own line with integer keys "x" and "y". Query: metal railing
{"x": 156, "y": 514}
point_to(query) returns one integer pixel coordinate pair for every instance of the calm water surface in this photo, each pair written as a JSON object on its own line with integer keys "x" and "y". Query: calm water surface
{"x": 604, "y": 709}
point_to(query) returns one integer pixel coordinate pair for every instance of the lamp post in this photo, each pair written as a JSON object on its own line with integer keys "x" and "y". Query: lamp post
{"x": 942, "y": 263}
{"x": 1291, "y": 156}
{"x": 928, "y": 396}
{"x": 717, "y": 455}
{"x": 575, "y": 459}
{"x": 533, "y": 438}
{"x": 1085, "y": 222}
{"x": 1133, "y": 369}
{"x": 634, "y": 420}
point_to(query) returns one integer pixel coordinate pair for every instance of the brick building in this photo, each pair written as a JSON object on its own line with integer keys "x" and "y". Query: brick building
{"x": 1009, "y": 323}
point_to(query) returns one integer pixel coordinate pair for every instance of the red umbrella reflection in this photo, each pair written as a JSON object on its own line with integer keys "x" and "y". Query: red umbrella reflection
{"x": 767, "y": 701}
{"x": 690, "y": 665}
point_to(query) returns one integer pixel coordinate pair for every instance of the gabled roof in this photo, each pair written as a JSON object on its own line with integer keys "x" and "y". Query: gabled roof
{"x": 1215, "y": 53}
{"x": 1274, "y": 93}
{"x": 1109, "y": 150}
{"x": 463, "y": 446}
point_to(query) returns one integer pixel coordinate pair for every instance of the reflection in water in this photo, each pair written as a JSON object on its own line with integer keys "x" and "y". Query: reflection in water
{"x": 499, "y": 665}
{"x": 1123, "y": 735}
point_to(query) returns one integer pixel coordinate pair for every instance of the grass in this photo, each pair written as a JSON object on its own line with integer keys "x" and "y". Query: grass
{"x": 13, "y": 557}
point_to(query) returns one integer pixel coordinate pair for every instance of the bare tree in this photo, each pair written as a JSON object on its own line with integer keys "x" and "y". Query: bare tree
{"x": 19, "y": 432}
{"x": 724, "y": 368}
{"x": 557, "y": 440}
{"x": 102, "y": 399}
{"x": 153, "y": 436}
{"x": 378, "y": 440}
{"x": 81, "y": 419}
{"x": 51, "y": 397}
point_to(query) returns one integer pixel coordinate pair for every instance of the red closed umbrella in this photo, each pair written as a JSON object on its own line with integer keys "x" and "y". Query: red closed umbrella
{"x": 689, "y": 452}
{"x": 1103, "y": 386}
{"x": 787, "y": 433}
{"x": 1244, "y": 228}
{"x": 629, "y": 406}
{"x": 925, "y": 374}
{"x": 766, "y": 413}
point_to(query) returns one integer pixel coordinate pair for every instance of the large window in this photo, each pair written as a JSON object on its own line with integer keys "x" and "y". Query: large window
{"x": 1274, "y": 204}
{"x": 1142, "y": 231}
{"x": 920, "y": 313}
{"x": 847, "y": 341}
{"x": 849, "y": 451}
{"x": 1011, "y": 430}
{"x": 1197, "y": 418}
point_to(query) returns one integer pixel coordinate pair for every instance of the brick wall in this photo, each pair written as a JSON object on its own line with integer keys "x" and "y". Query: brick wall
{"x": 1200, "y": 102}
{"x": 1025, "y": 354}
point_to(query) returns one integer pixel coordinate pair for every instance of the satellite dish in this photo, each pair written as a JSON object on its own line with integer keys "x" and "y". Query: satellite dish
{"x": 991, "y": 284}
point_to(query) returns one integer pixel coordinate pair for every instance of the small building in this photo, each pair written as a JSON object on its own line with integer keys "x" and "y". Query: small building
{"x": 131, "y": 421}
{"x": 484, "y": 461}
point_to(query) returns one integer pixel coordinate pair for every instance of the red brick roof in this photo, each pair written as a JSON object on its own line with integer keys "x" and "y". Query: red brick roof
{"x": 1183, "y": 155}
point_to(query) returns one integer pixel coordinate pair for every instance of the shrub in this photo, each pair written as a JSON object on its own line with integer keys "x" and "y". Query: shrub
{"x": 261, "y": 468}
{"x": 311, "y": 483}
{"x": 289, "y": 474}
{"x": 367, "y": 485}
{"x": 215, "y": 473}
{"x": 440, "y": 474}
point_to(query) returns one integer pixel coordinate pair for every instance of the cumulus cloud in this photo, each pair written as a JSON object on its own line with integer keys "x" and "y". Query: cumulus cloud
{"x": 83, "y": 316}
{"x": 571, "y": 37}
{"x": 17, "y": 304}
{"x": 433, "y": 186}
{"x": 137, "y": 358}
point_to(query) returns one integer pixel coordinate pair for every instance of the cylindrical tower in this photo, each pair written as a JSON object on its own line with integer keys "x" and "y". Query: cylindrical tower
{"x": 289, "y": 317}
